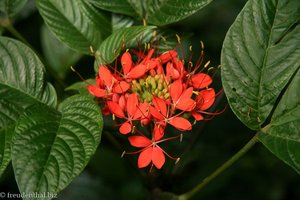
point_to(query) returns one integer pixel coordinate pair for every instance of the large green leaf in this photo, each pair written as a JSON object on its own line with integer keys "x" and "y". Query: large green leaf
{"x": 75, "y": 22}
{"x": 116, "y": 6}
{"x": 282, "y": 136}
{"x": 157, "y": 12}
{"x": 50, "y": 147}
{"x": 21, "y": 85}
{"x": 110, "y": 48}
{"x": 11, "y": 8}
{"x": 261, "y": 52}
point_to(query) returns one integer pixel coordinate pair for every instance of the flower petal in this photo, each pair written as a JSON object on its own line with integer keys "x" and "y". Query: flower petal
{"x": 176, "y": 90}
{"x": 142, "y": 111}
{"x": 201, "y": 80}
{"x": 207, "y": 98}
{"x": 197, "y": 116}
{"x": 186, "y": 104}
{"x": 158, "y": 157}
{"x": 166, "y": 56}
{"x": 139, "y": 141}
{"x": 106, "y": 76}
{"x": 180, "y": 123}
{"x": 158, "y": 132}
{"x": 160, "y": 105}
{"x": 137, "y": 71}
{"x": 126, "y": 62}
{"x": 115, "y": 109}
{"x": 172, "y": 72}
{"x": 145, "y": 158}
{"x": 121, "y": 87}
{"x": 131, "y": 105}
{"x": 125, "y": 128}
{"x": 96, "y": 91}
{"x": 157, "y": 115}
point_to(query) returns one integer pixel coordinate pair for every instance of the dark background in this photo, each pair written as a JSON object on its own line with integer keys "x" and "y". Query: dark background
{"x": 258, "y": 175}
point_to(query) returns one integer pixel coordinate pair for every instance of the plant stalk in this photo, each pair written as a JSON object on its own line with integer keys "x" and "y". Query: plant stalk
{"x": 221, "y": 169}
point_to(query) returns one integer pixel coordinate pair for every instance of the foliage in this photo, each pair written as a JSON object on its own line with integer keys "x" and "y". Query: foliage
{"x": 50, "y": 134}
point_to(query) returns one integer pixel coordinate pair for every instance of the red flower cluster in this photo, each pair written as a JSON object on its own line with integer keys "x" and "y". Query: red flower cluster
{"x": 155, "y": 91}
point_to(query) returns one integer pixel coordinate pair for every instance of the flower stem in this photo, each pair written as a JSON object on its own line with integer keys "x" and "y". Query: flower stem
{"x": 221, "y": 169}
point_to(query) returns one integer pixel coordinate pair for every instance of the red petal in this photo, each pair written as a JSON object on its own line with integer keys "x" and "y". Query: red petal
{"x": 180, "y": 123}
{"x": 201, "y": 80}
{"x": 137, "y": 71}
{"x": 158, "y": 157}
{"x": 142, "y": 111}
{"x": 121, "y": 87}
{"x": 207, "y": 98}
{"x": 139, "y": 141}
{"x": 154, "y": 112}
{"x": 197, "y": 116}
{"x": 158, "y": 132}
{"x": 131, "y": 105}
{"x": 160, "y": 105}
{"x": 186, "y": 104}
{"x": 122, "y": 102}
{"x": 115, "y": 109}
{"x": 96, "y": 91}
{"x": 172, "y": 72}
{"x": 149, "y": 55}
{"x": 165, "y": 57}
{"x": 145, "y": 158}
{"x": 176, "y": 90}
{"x": 126, "y": 62}
{"x": 125, "y": 128}
{"x": 106, "y": 76}
{"x": 150, "y": 64}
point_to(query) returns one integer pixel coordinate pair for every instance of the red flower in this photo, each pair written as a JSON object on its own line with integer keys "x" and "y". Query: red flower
{"x": 160, "y": 113}
{"x": 182, "y": 97}
{"x": 150, "y": 151}
{"x": 132, "y": 110}
{"x": 204, "y": 100}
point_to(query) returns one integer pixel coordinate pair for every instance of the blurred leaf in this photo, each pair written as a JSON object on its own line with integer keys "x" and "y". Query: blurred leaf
{"x": 81, "y": 87}
{"x": 86, "y": 187}
{"x": 260, "y": 54}
{"x": 110, "y": 48}
{"x": 21, "y": 85}
{"x": 11, "y": 7}
{"x": 51, "y": 149}
{"x": 75, "y": 22}
{"x": 59, "y": 56}
{"x": 120, "y": 21}
{"x": 160, "y": 12}
{"x": 282, "y": 136}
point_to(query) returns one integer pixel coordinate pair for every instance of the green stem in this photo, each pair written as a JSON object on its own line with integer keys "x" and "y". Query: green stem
{"x": 221, "y": 169}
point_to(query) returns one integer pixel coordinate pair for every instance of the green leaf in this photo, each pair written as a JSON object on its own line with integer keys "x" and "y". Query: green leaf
{"x": 51, "y": 148}
{"x": 59, "y": 56}
{"x": 157, "y": 12}
{"x": 21, "y": 85}
{"x": 75, "y": 22}
{"x": 11, "y": 8}
{"x": 282, "y": 135}
{"x": 120, "y": 21}
{"x": 116, "y": 6}
{"x": 260, "y": 53}
{"x": 81, "y": 87}
{"x": 110, "y": 48}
